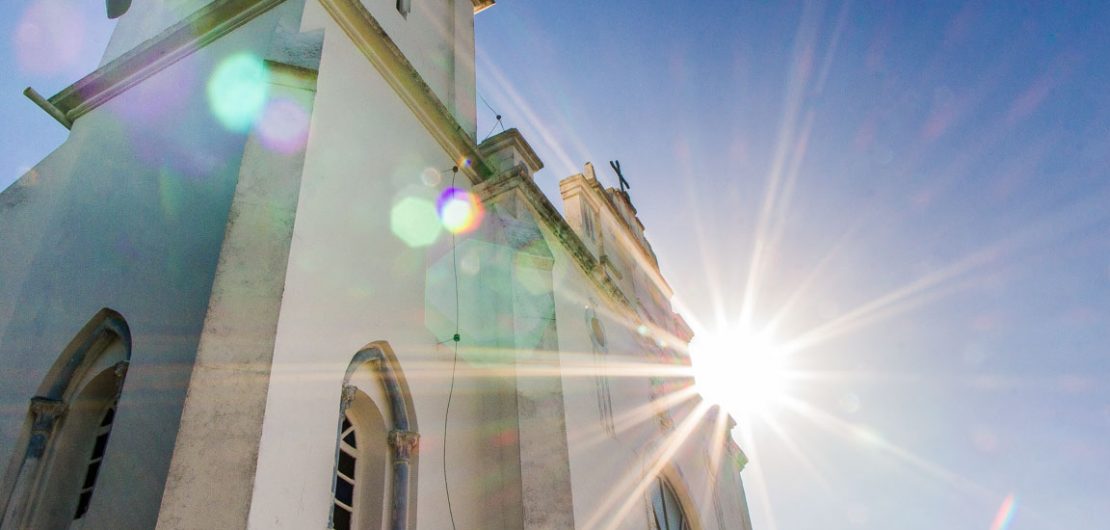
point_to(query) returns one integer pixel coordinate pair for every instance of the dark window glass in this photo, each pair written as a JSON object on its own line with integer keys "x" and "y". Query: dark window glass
{"x": 83, "y": 504}
{"x": 668, "y": 511}
{"x": 108, "y": 417}
{"x": 346, "y": 464}
{"x": 676, "y": 520}
{"x": 341, "y": 518}
{"x": 344, "y": 491}
{"x": 350, "y": 439}
{"x": 346, "y": 424}
{"x": 101, "y": 444}
{"x": 95, "y": 460}
{"x": 90, "y": 475}
{"x": 657, "y": 505}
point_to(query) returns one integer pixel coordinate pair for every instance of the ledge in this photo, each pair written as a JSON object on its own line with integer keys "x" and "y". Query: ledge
{"x": 518, "y": 179}
{"x": 482, "y": 5}
{"x": 152, "y": 56}
{"x": 372, "y": 40}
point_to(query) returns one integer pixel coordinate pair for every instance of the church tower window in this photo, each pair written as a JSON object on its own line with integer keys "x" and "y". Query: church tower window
{"x": 669, "y": 514}
{"x": 345, "y": 476}
{"x": 361, "y": 464}
{"x": 587, "y": 222}
{"x": 376, "y": 445}
{"x": 99, "y": 446}
{"x": 69, "y": 421}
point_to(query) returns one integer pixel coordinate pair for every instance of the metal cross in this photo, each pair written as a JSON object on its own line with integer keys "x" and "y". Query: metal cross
{"x": 616, "y": 165}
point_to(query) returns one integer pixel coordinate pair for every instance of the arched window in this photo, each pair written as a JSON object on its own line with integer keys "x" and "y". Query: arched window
{"x": 100, "y": 445}
{"x": 376, "y": 445}
{"x": 65, "y": 441}
{"x": 669, "y": 514}
{"x": 360, "y": 475}
{"x": 601, "y": 375}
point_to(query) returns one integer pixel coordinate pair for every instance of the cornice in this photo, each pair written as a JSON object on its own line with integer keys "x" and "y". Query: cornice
{"x": 512, "y": 137}
{"x": 205, "y": 25}
{"x": 482, "y": 5}
{"x": 219, "y": 18}
{"x": 372, "y": 40}
{"x": 595, "y": 194}
{"x": 519, "y": 180}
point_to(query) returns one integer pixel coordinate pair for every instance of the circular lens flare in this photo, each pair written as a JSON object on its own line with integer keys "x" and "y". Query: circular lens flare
{"x": 283, "y": 126}
{"x": 237, "y": 91}
{"x": 459, "y": 210}
{"x": 413, "y": 221}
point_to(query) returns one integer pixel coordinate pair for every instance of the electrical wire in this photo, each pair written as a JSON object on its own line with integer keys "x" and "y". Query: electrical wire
{"x": 454, "y": 362}
{"x": 496, "y": 115}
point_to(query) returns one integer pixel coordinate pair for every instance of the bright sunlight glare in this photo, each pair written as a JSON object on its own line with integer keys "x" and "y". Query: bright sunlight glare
{"x": 742, "y": 371}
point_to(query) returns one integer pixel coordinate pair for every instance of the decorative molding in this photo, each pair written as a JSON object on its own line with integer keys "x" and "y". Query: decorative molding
{"x": 45, "y": 412}
{"x": 204, "y": 26}
{"x": 120, "y": 370}
{"x": 482, "y": 5}
{"x": 405, "y": 444}
{"x": 517, "y": 179}
{"x": 592, "y": 190}
{"x": 401, "y": 438}
{"x": 372, "y": 40}
{"x": 347, "y": 396}
{"x": 510, "y": 140}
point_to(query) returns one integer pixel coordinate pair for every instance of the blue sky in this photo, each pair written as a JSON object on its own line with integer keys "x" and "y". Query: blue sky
{"x": 928, "y": 187}
{"x": 940, "y": 211}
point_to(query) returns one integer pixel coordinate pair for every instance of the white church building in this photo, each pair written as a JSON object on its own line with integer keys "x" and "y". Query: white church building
{"x": 271, "y": 281}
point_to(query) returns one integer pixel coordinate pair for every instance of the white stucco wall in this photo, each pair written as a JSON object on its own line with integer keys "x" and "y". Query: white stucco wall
{"x": 606, "y": 469}
{"x": 437, "y": 37}
{"x": 129, "y": 214}
{"x": 351, "y": 281}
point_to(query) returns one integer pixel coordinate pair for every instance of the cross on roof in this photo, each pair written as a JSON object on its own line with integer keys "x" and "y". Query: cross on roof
{"x": 624, "y": 185}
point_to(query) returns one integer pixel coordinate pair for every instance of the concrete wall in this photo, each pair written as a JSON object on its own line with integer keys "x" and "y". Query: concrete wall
{"x": 350, "y": 281}
{"x": 129, "y": 213}
{"x": 437, "y": 37}
{"x": 132, "y": 211}
{"x": 611, "y": 473}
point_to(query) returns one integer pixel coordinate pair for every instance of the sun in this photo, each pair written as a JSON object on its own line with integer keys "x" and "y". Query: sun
{"x": 742, "y": 371}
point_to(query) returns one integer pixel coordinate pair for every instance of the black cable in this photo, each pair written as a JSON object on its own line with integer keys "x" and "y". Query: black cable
{"x": 487, "y": 104}
{"x": 496, "y": 115}
{"x": 454, "y": 362}
{"x": 492, "y": 128}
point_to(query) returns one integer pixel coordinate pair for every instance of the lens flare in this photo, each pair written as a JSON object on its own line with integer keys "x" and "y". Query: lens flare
{"x": 459, "y": 210}
{"x": 48, "y": 37}
{"x": 413, "y": 220}
{"x": 1005, "y": 513}
{"x": 742, "y": 370}
{"x": 283, "y": 126}
{"x": 237, "y": 91}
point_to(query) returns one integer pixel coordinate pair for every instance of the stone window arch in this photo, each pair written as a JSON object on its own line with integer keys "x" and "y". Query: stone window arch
{"x": 376, "y": 445}
{"x": 599, "y": 346}
{"x": 65, "y": 441}
{"x": 667, "y": 508}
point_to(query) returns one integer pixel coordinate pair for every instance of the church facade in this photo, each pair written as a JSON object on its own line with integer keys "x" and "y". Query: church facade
{"x": 271, "y": 280}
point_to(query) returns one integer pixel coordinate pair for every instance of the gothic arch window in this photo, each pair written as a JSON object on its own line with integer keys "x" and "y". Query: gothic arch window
{"x": 65, "y": 442}
{"x": 376, "y": 445}
{"x": 668, "y": 511}
{"x": 599, "y": 345}
{"x": 588, "y": 221}
{"x": 360, "y": 469}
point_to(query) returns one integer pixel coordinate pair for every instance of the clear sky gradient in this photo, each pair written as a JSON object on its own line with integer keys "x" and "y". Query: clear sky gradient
{"x": 931, "y": 178}
{"x": 915, "y": 194}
